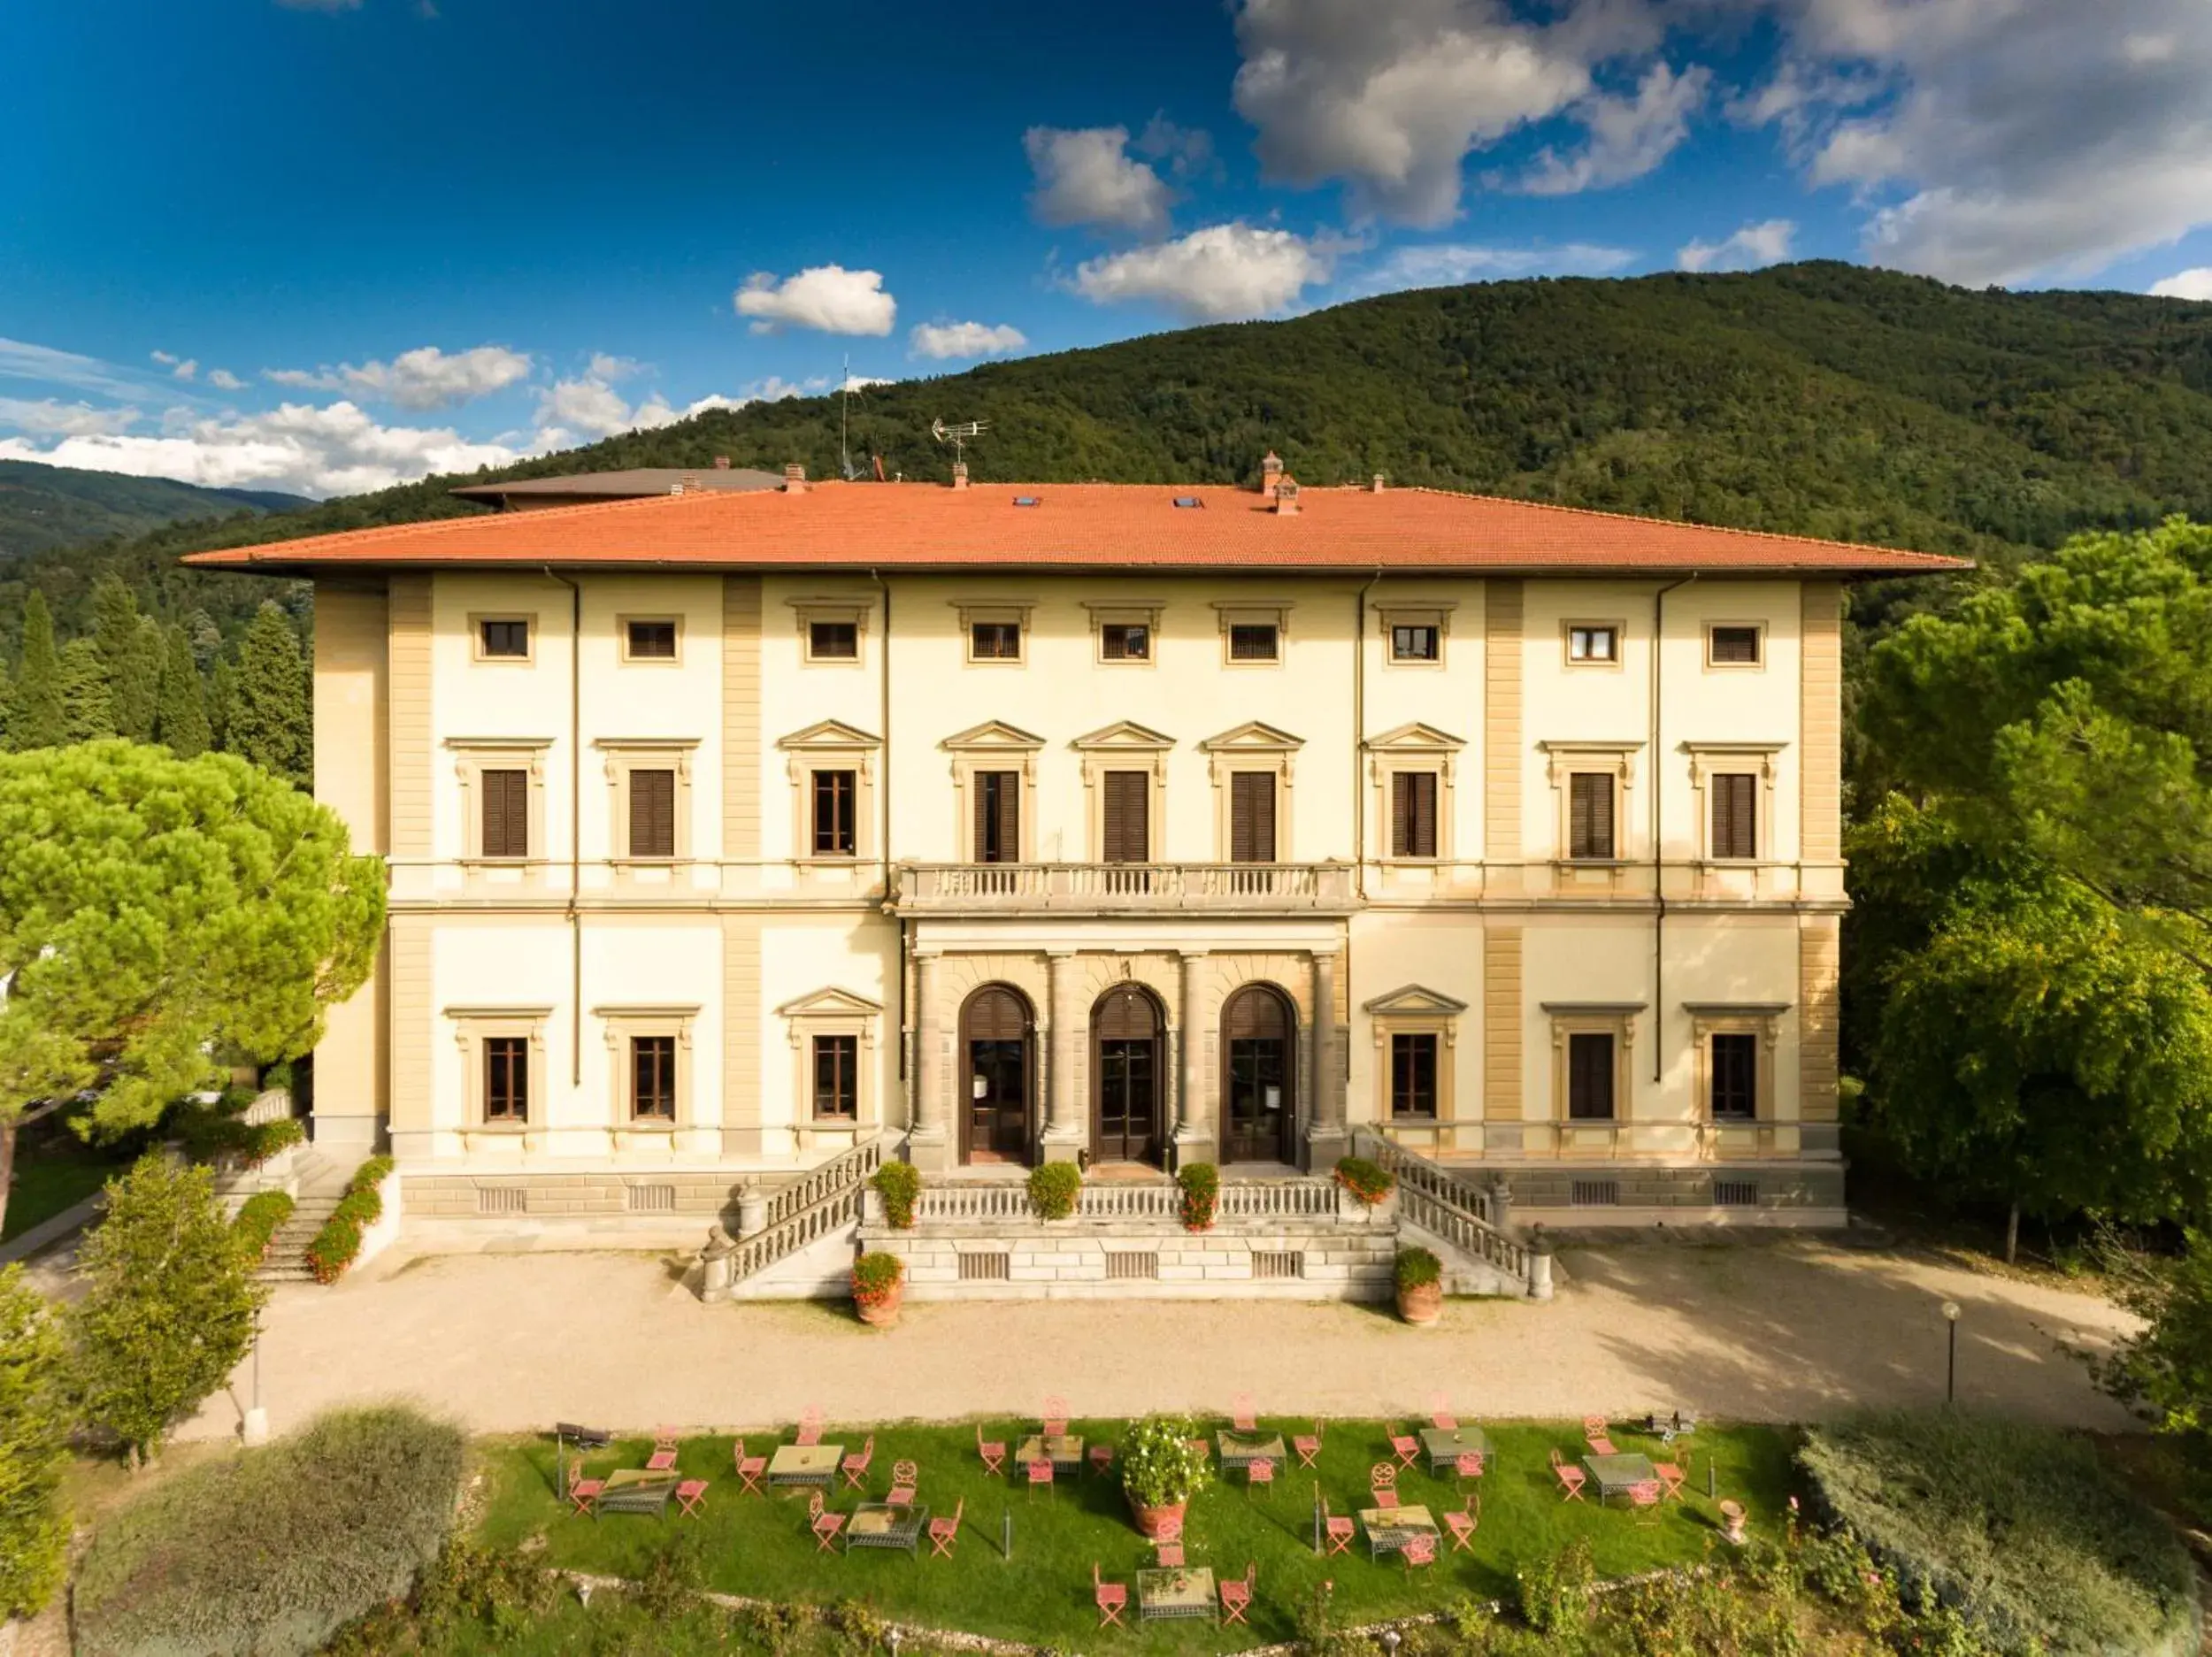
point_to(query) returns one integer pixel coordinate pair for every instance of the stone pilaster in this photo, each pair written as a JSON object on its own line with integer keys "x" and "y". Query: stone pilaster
{"x": 1065, "y": 1130}
{"x": 930, "y": 1145}
{"x": 1326, "y": 1136}
{"x": 1196, "y": 1138}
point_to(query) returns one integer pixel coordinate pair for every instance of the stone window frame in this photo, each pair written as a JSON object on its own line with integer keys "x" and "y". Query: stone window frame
{"x": 1617, "y": 760}
{"x": 473, "y": 756}
{"x": 992, "y": 746}
{"x": 622, "y": 624}
{"x": 618, "y": 1024}
{"x": 474, "y": 1025}
{"x": 621, "y": 756}
{"x": 1567, "y": 658}
{"x": 1124, "y": 746}
{"x": 1259, "y": 748}
{"x": 529, "y": 621}
{"x": 1414, "y": 1009}
{"x": 1413, "y": 747}
{"x": 809, "y": 611}
{"x": 1142, "y": 612}
{"x": 1756, "y": 666}
{"x": 1763, "y": 1019}
{"x": 1230, "y": 615}
{"x": 1616, "y": 1019}
{"x": 993, "y": 612}
{"x": 1712, "y": 759}
{"x": 832, "y": 745}
{"x": 832, "y": 1012}
{"x": 1415, "y": 613}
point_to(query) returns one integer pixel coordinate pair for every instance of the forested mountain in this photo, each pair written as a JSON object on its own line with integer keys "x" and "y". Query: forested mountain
{"x": 45, "y": 506}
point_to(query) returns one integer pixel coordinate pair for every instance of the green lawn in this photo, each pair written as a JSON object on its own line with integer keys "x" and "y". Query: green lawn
{"x": 1042, "y": 1592}
{"x": 55, "y": 1176}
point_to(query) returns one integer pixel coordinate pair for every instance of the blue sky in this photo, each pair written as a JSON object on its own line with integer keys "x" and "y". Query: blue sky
{"x": 327, "y": 245}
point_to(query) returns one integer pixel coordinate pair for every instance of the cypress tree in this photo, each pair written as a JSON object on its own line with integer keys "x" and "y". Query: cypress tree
{"x": 88, "y": 706}
{"x": 131, "y": 650}
{"x": 34, "y": 712}
{"x": 180, "y": 710}
{"x": 267, "y": 719}
{"x": 7, "y": 697}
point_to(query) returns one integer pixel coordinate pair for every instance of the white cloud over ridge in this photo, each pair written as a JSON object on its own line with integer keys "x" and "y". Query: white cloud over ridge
{"x": 1449, "y": 264}
{"x": 1086, "y": 176}
{"x": 1747, "y": 249}
{"x": 950, "y": 340}
{"x": 423, "y": 379}
{"x": 826, "y": 297}
{"x": 2196, "y": 284}
{"x": 1628, "y": 136}
{"x": 48, "y": 417}
{"x": 1221, "y": 273}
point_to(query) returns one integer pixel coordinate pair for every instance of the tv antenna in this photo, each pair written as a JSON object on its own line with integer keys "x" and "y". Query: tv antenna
{"x": 960, "y": 436}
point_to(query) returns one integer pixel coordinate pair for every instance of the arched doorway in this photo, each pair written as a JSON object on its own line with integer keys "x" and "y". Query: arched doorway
{"x": 1125, "y": 1076}
{"x": 1258, "y": 1060}
{"x": 996, "y": 1031}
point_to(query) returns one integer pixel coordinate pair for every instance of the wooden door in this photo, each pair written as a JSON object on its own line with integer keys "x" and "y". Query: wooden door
{"x": 995, "y": 1031}
{"x": 1126, "y": 1070}
{"x": 1258, "y": 1049}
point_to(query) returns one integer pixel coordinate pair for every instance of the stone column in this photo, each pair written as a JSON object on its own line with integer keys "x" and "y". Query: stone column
{"x": 1197, "y": 1140}
{"x": 1326, "y": 1136}
{"x": 929, "y": 1144}
{"x": 1065, "y": 1130}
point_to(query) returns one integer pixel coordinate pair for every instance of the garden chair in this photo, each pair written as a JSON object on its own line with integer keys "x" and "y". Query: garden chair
{"x": 750, "y": 1469}
{"x": 854, "y": 1466}
{"x": 1382, "y": 1485}
{"x": 1040, "y": 1472}
{"x": 1168, "y": 1545}
{"x": 1644, "y": 1497}
{"x": 1338, "y": 1528}
{"x": 1571, "y": 1478}
{"x": 1600, "y": 1446}
{"x": 1461, "y": 1525}
{"x": 1467, "y": 1466}
{"x": 689, "y": 1494}
{"x": 584, "y": 1492}
{"x": 944, "y": 1532}
{"x": 825, "y": 1523}
{"x": 1109, "y": 1596}
{"x": 905, "y": 1476}
{"x": 1102, "y": 1457}
{"x": 1259, "y": 1472}
{"x": 1236, "y": 1594}
{"x": 1673, "y": 1476}
{"x": 993, "y": 1451}
{"x": 1243, "y": 1413}
{"x": 1597, "y": 1435}
{"x": 1055, "y": 1421}
{"x": 1308, "y": 1446}
{"x": 1441, "y": 1417}
{"x": 1417, "y": 1550}
{"x": 666, "y": 1441}
{"x": 1405, "y": 1446}
{"x": 810, "y": 1425}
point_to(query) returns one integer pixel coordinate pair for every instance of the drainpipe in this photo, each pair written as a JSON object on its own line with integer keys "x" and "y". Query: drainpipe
{"x": 884, "y": 789}
{"x": 1359, "y": 797}
{"x": 1658, "y": 867}
{"x": 575, "y": 822}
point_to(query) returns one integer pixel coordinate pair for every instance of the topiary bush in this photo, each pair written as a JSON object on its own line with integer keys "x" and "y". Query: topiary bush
{"x": 900, "y": 1186}
{"x": 875, "y": 1275}
{"x": 1054, "y": 1188}
{"x": 260, "y": 1220}
{"x": 272, "y": 1551}
{"x": 1202, "y": 1194}
{"x": 1369, "y": 1182}
{"x": 1417, "y": 1268}
{"x": 2023, "y": 1528}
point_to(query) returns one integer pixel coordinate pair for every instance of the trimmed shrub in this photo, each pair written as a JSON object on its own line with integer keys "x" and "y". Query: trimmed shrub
{"x": 1417, "y": 1268}
{"x": 1202, "y": 1194}
{"x": 371, "y": 1174}
{"x": 217, "y": 1131}
{"x": 1054, "y": 1188}
{"x": 273, "y": 1551}
{"x": 33, "y": 1448}
{"x": 1161, "y": 1463}
{"x": 900, "y": 1186}
{"x": 2021, "y": 1527}
{"x": 1369, "y": 1182}
{"x": 262, "y": 1218}
{"x": 338, "y": 1244}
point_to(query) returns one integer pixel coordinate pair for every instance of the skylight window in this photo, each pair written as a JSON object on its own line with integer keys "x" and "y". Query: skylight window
{"x": 1028, "y": 500}
{"x": 1188, "y": 501}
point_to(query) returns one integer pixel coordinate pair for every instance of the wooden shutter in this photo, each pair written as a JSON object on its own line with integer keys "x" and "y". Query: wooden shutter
{"x": 998, "y": 817}
{"x": 1413, "y": 814}
{"x": 506, "y": 813}
{"x": 1735, "y": 815}
{"x": 1255, "y": 1015}
{"x": 1127, "y": 1014}
{"x": 1590, "y": 815}
{"x": 1127, "y": 808}
{"x": 652, "y": 814}
{"x": 1251, "y": 816}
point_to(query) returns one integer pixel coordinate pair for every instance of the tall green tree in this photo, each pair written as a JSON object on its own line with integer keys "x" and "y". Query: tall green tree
{"x": 35, "y": 716}
{"x": 181, "y": 722}
{"x": 130, "y": 648}
{"x": 88, "y": 704}
{"x": 157, "y": 911}
{"x": 268, "y": 721}
{"x": 33, "y": 1448}
{"x": 168, "y": 1307}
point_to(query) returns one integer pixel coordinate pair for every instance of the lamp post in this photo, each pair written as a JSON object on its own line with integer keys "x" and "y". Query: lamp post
{"x": 254, "y": 1431}
{"x": 1951, "y": 1374}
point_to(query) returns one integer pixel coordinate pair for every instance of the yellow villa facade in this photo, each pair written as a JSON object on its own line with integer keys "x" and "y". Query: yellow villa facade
{"x": 1012, "y": 823}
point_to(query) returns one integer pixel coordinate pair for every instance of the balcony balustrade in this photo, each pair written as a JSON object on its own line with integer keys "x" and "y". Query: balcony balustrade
{"x": 1124, "y": 888}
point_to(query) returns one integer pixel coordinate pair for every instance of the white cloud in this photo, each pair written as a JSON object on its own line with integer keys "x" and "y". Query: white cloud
{"x": 966, "y": 339}
{"x": 587, "y": 405}
{"x": 48, "y": 417}
{"x": 1628, "y": 136}
{"x": 424, "y": 378}
{"x": 1216, "y": 274}
{"x": 167, "y": 359}
{"x": 827, "y": 297}
{"x": 1085, "y": 176}
{"x": 223, "y": 379}
{"x": 21, "y": 360}
{"x": 607, "y": 367}
{"x": 2195, "y": 284}
{"x": 1444, "y": 265}
{"x": 1748, "y": 248}
{"x": 1188, "y": 151}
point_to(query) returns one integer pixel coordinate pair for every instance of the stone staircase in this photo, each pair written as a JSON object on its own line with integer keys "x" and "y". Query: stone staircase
{"x": 816, "y": 1214}
{"x": 1451, "y": 1215}
{"x": 322, "y": 1183}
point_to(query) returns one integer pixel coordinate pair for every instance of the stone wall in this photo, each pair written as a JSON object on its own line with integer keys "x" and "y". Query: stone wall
{"x": 1792, "y": 1194}
{"x": 504, "y": 1199}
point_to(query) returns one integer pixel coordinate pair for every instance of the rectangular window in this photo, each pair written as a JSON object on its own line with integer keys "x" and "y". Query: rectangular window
{"x": 506, "y": 1078}
{"x": 506, "y": 812}
{"x": 1413, "y": 814}
{"x": 651, "y": 641}
{"x": 1732, "y": 647}
{"x": 504, "y": 641}
{"x": 1594, "y": 644}
{"x": 1127, "y": 813}
{"x": 1735, "y": 814}
{"x": 837, "y": 1077}
{"x": 1252, "y": 642}
{"x": 1735, "y": 1066}
{"x": 1590, "y": 815}
{"x": 833, "y": 641}
{"x": 1413, "y": 1077}
{"x": 1251, "y": 816}
{"x": 998, "y": 821}
{"x": 1590, "y": 1076}
{"x": 652, "y": 814}
{"x": 1415, "y": 644}
{"x": 995, "y": 641}
{"x": 835, "y": 813}
{"x": 1125, "y": 641}
{"x": 653, "y": 1077}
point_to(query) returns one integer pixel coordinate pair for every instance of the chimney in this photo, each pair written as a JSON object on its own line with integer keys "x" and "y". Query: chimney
{"x": 690, "y": 484}
{"x": 1271, "y": 474}
{"x": 794, "y": 478}
{"x": 721, "y": 462}
{"x": 1378, "y": 483}
{"x": 959, "y": 475}
{"x": 1285, "y": 493}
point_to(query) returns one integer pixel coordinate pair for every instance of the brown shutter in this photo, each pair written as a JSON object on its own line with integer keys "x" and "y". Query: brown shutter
{"x": 1413, "y": 814}
{"x": 1010, "y": 816}
{"x": 982, "y": 825}
{"x": 506, "y": 813}
{"x": 1735, "y": 820}
{"x": 652, "y": 814}
{"x": 1128, "y": 828}
{"x": 1251, "y": 816}
{"x": 1590, "y": 815}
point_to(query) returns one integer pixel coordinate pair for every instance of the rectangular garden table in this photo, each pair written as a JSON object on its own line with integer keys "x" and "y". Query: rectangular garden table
{"x": 1241, "y": 1449}
{"x": 1175, "y": 1594}
{"x": 879, "y": 1524}
{"x": 1447, "y": 1444}
{"x": 805, "y": 1464}
{"x": 634, "y": 1490}
{"x": 1613, "y": 1474}
{"x": 1065, "y": 1451}
{"x": 1389, "y": 1528}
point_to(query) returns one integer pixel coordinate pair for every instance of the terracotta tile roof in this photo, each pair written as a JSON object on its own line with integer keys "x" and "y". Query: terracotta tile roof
{"x": 1089, "y": 526}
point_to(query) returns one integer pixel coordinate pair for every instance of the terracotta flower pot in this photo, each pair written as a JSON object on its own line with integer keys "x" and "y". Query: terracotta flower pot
{"x": 881, "y": 1311}
{"x": 1422, "y": 1306}
{"x": 1152, "y": 1522}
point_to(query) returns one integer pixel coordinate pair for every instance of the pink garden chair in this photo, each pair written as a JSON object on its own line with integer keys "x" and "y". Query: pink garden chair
{"x": 584, "y": 1492}
{"x": 905, "y": 1477}
{"x": 993, "y": 1451}
{"x": 1243, "y": 1413}
{"x": 1338, "y": 1528}
{"x": 665, "y": 1442}
{"x": 1055, "y": 1417}
{"x": 1571, "y": 1478}
{"x": 825, "y": 1521}
{"x": 944, "y": 1532}
{"x": 1102, "y": 1457}
{"x": 1406, "y": 1448}
{"x": 854, "y": 1466}
{"x": 810, "y": 1425}
{"x": 1307, "y": 1445}
{"x": 1259, "y": 1472}
{"x": 1644, "y": 1497}
{"x": 689, "y": 1494}
{"x": 1597, "y": 1435}
{"x": 1460, "y": 1524}
{"x": 1673, "y": 1476}
{"x": 1109, "y": 1596}
{"x": 1168, "y": 1545}
{"x": 1417, "y": 1550}
{"x": 1236, "y": 1594}
{"x": 1382, "y": 1485}
{"x": 1469, "y": 1465}
{"x": 750, "y": 1469}
{"x": 1040, "y": 1472}
{"x": 1441, "y": 1417}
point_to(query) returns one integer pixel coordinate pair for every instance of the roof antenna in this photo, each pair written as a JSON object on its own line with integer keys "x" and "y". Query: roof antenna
{"x": 844, "y": 402}
{"x": 960, "y": 436}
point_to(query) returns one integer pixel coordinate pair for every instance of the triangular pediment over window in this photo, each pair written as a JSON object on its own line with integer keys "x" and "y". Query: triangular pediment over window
{"x": 1413, "y": 1000}
{"x": 1252, "y": 737}
{"x": 830, "y": 1003}
{"x": 1416, "y": 739}
{"x": 829, "y": 733}
{"x": 995, "y": 734}
{"x": 1125, "y": 736}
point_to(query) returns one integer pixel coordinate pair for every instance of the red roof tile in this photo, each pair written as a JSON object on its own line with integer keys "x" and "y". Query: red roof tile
{"x": 1088, "y": 525}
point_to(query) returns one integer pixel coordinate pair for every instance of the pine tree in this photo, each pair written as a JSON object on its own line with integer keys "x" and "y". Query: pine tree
{"x": 180, "y": 710}
{"x": 130, "y": 647}
{"x": 222, "y": 696}
{"x": 207, "y": 640}
{"x": 35, "y": 718}
{"x": 88, "y": 706}
{"x": 7, "y": 697}
{"x": 267, "y": 719}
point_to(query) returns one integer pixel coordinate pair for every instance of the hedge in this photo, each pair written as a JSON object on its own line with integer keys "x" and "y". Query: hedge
{"x": 272, "y": 1551}
{"x": 338, "y": 1244}
{"x": 2023, "y": 1528}
{"x": 261, "y": 1218}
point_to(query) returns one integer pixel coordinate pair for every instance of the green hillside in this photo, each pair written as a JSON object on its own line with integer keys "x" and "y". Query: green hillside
{"x": 1819, "y": 398}
{"x": 45, "y": 506}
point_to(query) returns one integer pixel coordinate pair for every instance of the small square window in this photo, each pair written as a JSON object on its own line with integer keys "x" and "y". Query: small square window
{"x": 1416, "y": 643}
{"x": 504, "y": 641}
{"x": 1732, "y": 647}
{"x": 995, "y": 641}
{"x": 832, "y": 641}
{"x": 1594, "y": 644}
{"x": 650, "y": 640}
{"x": 1252, "y": 642}
{"x": 1125, "y": 641}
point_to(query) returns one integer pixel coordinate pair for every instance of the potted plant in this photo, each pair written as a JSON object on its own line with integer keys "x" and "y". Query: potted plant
{"x": 1162, "y": 1465}
{"x": 1054, "y": 1188}
{"x": 1202, "y": 1195}
{"x": 900, "y": 1186}
{"x": 878, "y": 1286}
{"x": 1369, "y": 1182}
{"x": 1420, "y": 1276}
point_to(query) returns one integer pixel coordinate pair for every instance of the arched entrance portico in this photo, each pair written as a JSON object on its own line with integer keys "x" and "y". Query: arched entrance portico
{"x": 1259, "y": 1055}
{"x": 997, "y": 1040}
{"x": 1128, "y": 1075}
